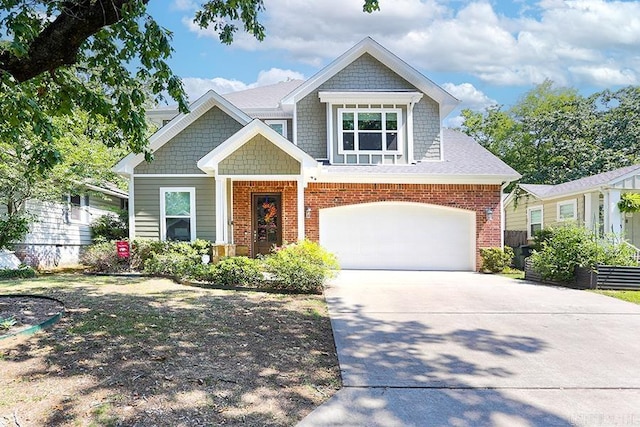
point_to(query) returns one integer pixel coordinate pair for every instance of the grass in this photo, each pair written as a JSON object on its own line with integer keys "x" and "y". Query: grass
{"x": 629, "y": 296}
{"x": 137, "y": 351}
{"x": 513, "y": 273}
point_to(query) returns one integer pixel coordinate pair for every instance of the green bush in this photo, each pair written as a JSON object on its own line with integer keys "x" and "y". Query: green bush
{"x": 110, "y": 227}
{"x": 235, "y": 271}
{"x": 179, "y": 259}
{"x": 171, "y": 264}
{"x": 142, "y": 249}
{"x": 571, "y": 246}
{"x": 13, "y": 228}
{"x": 22, "y": 272}
{"x": 103, "y": 258}
{"x": 300, "y": 267}
{"x": 496, "y": 260}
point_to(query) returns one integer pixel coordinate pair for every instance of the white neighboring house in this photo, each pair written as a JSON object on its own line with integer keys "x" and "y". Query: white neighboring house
{"x": 62, "y": 229}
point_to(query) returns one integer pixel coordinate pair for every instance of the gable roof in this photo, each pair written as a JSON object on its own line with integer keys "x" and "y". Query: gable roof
{"x": 446, "y": 101}
{"x": 580, "y": 185}
{"x": 205, "y": 103}
{"x": 268, "y": 96}
{"x": 210, "y": 162}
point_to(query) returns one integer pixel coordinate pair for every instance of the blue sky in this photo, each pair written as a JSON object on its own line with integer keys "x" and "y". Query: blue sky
{"x": 482, "y": 52}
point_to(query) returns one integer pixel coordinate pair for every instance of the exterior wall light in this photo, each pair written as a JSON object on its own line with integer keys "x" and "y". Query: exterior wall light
{"x": 307, "y": 212}
{"x": 489, "y": 212}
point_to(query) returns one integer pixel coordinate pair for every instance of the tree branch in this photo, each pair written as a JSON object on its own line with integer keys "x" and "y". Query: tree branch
{"x": 59, "y": 42}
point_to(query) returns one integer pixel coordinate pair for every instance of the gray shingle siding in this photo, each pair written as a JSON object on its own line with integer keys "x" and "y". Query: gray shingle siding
{"x": 181, "y": 154}
{"x": 366, "y": 74}
{"x": 259, "y": 157}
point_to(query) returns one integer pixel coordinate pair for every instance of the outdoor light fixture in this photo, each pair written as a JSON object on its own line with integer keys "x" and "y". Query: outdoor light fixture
{"x": 489, "y": 212}
{"x": 307, "y": 212}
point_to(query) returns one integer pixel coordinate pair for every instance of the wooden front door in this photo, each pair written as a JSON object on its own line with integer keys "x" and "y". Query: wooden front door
{"x": 266, "y": 222}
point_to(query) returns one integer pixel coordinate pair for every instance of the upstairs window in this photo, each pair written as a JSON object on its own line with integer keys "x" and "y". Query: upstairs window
{"x": 369, "y": 131}
{"x": 279, "y": 126}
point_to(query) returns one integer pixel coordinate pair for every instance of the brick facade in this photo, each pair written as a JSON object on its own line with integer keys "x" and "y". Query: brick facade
{"x": 327, "y": 195}
{"x": 242, "y": 210}
{"x": 471, "y": 197}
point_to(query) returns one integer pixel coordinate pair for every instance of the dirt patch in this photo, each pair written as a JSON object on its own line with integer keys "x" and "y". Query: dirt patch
{"x": 141, "y": 352}
{"x": 19, "y": 313}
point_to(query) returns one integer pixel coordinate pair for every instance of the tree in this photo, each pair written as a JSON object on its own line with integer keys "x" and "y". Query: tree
{"x": 84, "y": 159}
{"x": 102, "y": 59}
{"x": 98, "y": 56}
{"x": 553, "y": 135}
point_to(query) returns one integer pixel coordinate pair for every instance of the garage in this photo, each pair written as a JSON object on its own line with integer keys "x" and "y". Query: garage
{"x": 400, "y": 236}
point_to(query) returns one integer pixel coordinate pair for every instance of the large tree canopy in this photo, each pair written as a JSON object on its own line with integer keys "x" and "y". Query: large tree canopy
{"x": 99, "y": 56}
{"x": 552, "y": 135}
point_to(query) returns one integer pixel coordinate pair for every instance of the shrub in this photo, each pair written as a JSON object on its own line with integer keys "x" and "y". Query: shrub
{"x": 300, "y": 267}
{"x": 13, "y": 228}
{"x": 23, "y": 272}
{"x": 142, "y": 249}
{"x": 171, "y": 264}
{"x": 103, "y": 258}
{"x": 110, "y": 227}
{"x": 571, "y": 246}
{"x": 235, "y": 271}
{"x": 496, "y": 260}
{"x": 179, "y": 259}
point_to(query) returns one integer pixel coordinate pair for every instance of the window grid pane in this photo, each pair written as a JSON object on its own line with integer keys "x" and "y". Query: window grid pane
{"x": 177, "y": 203}
{"x": 370, "y": 131}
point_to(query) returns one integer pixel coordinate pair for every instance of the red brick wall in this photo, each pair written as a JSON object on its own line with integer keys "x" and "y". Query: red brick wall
{"x": 242, "y": 192}
{"x": 325, "y": 195}
{"x": 464, "y": 196}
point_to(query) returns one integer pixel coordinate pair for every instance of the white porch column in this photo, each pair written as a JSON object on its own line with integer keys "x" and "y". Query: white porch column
{"x": 615, "y": 218}
{"x": 221, "y": 211}
{"x": 592, "y": 211}
{"x": 301, "y": 213}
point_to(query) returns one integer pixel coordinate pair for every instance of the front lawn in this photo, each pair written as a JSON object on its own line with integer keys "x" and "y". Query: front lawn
{"x": 630, "y": 296}
{"x": 132, "y": 351}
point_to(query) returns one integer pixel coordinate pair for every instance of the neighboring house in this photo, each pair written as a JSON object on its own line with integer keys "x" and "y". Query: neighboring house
{"x": 355, "y": 157}
{"x": 591, "y": 201}
{"x": 61, "y": 229}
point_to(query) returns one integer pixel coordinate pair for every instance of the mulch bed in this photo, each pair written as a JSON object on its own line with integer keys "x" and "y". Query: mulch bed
{"x": 26, "y": 311}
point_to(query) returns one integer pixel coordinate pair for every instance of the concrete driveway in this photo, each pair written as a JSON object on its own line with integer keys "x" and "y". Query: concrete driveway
{"x": 466, "y": 349}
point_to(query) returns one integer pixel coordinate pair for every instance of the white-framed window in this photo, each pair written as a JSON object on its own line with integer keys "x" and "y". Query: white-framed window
{"x": 178, "y": 213}
{"x": 279, "y": 126}
{"x": 369, "y": 131}
{"x": 568, "y": 210}
{"x": 534, "y": 220}
{"x": 76, "y": 211}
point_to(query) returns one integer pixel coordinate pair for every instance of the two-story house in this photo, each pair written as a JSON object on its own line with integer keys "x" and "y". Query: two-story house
{"x": 355, "y": 157}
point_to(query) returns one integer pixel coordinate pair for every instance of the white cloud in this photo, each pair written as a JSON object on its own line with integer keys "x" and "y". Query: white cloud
{"x": 184, "y": 5}
{"x": 195, "y": 87}
{"x": 469, "y": 96}
{"x": 567, "y": 41}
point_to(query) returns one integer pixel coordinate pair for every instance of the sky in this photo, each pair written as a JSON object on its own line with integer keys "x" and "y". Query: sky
{"x": 482, "y": 52}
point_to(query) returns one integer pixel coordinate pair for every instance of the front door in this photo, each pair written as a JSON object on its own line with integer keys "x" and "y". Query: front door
{"x": 266, "y": 222}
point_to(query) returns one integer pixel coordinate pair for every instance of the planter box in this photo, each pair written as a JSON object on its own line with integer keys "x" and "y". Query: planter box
{"x": 584, "y": 277}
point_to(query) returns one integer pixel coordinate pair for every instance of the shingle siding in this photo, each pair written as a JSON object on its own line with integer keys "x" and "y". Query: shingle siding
{"x": 257, "y": 157}
{"x": 181, "y": 154}
{"x": 366, "y": 74}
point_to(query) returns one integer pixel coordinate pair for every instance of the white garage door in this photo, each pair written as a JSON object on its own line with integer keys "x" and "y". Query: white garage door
{"x": 400, "y": 236}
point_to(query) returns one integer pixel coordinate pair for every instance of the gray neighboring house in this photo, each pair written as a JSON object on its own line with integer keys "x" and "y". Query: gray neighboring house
{"x": 61, "y": 230}
{"x": 355, "y": 158}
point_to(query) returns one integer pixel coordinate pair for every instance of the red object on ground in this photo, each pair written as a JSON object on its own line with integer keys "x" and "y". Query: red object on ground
{"x": 122, "y": 247}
